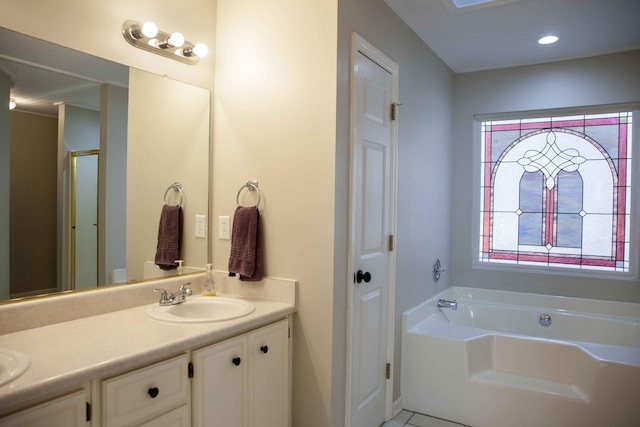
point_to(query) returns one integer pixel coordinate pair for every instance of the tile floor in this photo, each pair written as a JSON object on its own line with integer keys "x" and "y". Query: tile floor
{"x": 413, "y": 419}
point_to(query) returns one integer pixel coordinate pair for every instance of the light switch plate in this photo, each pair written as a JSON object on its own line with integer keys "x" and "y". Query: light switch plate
{"x": 201, "y": 226}
{"x": 223, "y": 228}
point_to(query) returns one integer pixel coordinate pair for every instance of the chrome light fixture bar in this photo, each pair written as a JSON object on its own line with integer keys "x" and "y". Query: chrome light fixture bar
{"x": 147, "y": 36}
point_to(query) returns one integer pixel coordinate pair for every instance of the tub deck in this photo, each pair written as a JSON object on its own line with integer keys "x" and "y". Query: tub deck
{"x": 454, "y": 369}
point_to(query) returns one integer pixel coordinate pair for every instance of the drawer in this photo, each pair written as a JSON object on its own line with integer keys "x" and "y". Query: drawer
{"x": 146, "y": 392}
{"x": 68, "y": 411}
{"x": 177, "y": 418}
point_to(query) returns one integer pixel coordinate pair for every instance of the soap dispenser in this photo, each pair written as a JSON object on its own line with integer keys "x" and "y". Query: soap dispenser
{"x": 208, "y": 284}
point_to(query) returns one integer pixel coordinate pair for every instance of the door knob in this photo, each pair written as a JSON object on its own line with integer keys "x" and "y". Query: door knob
{"x": 153, "y": 392}
{"x": 236, "y": 361}
{"x": 360, "y": 276}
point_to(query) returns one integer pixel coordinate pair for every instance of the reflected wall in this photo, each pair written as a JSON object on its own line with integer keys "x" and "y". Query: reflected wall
{"x": 159, "y": 156}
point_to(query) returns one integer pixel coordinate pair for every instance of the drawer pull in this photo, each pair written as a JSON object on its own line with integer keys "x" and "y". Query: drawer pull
{"x": 236, "y": 361}
{"x": 264, "y": 349}
{"x": 153, "y": 392}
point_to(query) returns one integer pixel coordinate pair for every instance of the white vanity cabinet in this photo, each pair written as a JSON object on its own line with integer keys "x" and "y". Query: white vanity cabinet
{"x": 157, "y": 395}
{"x": 70, "y": 410}
{"x": 244, "y": 381}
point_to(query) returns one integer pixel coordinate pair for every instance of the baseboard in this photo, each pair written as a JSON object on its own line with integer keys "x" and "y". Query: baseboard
{"x": 397, "y": 406}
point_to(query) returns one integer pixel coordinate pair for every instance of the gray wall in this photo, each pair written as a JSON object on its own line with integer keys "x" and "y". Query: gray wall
{"x": 424, "y": 160}
{"x": 113, "y": 161}
{"x": 602, "y": 80}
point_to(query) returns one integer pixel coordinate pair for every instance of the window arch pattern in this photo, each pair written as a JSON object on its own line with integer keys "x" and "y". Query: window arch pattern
{"x": 556, "y": 191}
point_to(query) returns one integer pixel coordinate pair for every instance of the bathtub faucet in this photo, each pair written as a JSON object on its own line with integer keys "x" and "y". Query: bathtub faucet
{"x": 443, "y": 303}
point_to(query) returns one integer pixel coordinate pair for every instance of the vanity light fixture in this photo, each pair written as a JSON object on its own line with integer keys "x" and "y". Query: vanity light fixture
{"x": 12, "y": 104}
{"x": 147, "y": 36}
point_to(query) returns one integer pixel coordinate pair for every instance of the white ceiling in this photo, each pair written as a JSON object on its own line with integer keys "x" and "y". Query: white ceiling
{"x": 495, "y": 34}
{"x": 44, "y": 74}
{"x": 504, "y": 33}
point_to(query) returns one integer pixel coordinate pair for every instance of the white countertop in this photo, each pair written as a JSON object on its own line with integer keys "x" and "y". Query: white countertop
{"x": 65, "y": 356}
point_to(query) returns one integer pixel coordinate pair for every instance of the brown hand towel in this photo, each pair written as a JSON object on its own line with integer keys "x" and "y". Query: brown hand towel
{"x": 246, "y": 241}
{"x": 169, "y": 237}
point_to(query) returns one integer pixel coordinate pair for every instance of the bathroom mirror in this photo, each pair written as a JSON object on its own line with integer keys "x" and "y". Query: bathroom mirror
{"x": 98, "y": 144}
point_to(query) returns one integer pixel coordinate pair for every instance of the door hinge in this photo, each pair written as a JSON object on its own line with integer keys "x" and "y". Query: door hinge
{"x": 88, "y": 411}
{"x": 289, "y": 333}
{"x": 388, "y": 371}
{"x": 190, "y": 370}
{"x": 394, "y": 110}
{"x": 390, "y": 242}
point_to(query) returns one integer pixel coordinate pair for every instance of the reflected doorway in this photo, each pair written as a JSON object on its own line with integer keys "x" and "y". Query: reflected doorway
{"x": 84, "y": 219}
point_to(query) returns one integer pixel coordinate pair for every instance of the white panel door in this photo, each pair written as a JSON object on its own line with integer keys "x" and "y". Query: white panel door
{"x": 371, "y": 192}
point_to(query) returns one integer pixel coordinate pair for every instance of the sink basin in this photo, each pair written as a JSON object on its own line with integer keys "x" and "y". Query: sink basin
{"x": 12, "y": 365}
{"x": 202, "y": 309}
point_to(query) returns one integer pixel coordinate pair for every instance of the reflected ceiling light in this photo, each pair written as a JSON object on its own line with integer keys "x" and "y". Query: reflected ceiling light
{"x": 550, "y": 39}
{"x": 147, "y": 36}
{"x": 12, "y": 103}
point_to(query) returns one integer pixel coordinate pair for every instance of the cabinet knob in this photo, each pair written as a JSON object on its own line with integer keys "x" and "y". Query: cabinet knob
{"x": 236, "y": 361}
{"x": 264, "y": 349}
{"x": 153, "y": 392}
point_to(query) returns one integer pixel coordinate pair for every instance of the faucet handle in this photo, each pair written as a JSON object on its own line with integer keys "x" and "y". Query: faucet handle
{"x": 186, "y": 291}
{"x": 164, "y": 298}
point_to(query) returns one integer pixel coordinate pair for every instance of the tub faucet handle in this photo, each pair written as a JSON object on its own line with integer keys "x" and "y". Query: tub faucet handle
{"x": 437, "y": 270}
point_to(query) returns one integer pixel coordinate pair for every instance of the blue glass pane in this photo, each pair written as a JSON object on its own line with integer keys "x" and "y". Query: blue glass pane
{"x": 569, "y": 231}
{"x": 569, "y": 192}
{"x": 607, "y": 137}
{"x": 531, "y": 185}
{"x": 530, "y": 229}
{"x": 500, "y": 141}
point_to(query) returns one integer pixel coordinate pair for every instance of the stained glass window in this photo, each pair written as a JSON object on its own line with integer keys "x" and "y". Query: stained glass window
{"x": 556, "y": 191}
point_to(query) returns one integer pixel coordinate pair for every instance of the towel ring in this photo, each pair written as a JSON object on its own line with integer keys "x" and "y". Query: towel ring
{"x": 251, "y": 186}
{"x": 176, "y": 186}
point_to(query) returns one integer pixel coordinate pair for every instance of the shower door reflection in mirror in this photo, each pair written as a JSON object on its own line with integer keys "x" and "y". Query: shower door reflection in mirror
{"x": 84, "y": 219}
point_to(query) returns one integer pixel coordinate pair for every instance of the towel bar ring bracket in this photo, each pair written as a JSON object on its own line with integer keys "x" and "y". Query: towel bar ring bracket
{"x": 177, "y": 187}
{"x": 251, "y": 186}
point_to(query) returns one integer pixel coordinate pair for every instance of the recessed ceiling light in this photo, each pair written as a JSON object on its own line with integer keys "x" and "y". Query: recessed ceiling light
{"x": 548, "y": 40}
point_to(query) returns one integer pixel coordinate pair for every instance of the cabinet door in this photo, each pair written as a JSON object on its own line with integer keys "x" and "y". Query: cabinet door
{"x": 269, "y": 376}
{"x": 220, "y": 384}
{"x": 68, "y": 411}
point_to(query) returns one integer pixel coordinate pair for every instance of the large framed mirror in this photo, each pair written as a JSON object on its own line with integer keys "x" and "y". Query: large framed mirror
{"x": 91, "y": 153}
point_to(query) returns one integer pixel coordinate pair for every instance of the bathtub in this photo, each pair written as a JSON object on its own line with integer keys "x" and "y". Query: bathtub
{"x": 491, "y": 362}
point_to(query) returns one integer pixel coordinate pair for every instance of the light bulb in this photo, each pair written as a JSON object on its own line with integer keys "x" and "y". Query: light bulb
{"x": 12, "y": 103}
{"x": 548, "y": 40}
{"x": 201, "y": 50}
{"x": 149, "y": 29}
{"x": 176, "y": 39}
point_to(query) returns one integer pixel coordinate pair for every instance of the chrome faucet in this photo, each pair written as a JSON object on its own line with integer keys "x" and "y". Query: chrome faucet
{"x": 443, "y": 303}
{"x": 177, "y": 298}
